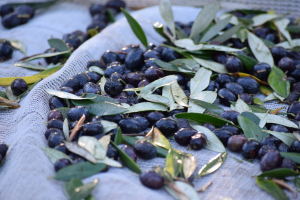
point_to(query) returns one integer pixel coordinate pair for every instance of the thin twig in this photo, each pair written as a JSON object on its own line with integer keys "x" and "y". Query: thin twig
{"x": 204, "y": 187}
{"x": 77, "y": 127}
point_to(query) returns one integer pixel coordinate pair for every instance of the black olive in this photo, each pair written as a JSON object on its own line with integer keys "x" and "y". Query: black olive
{"x": 264, "y": 150}
{"x": 96, "y": 63}
{"x": 294, "y": 109}
{"x": 295, "y": 147}
{"x": 169, "y": 55}
{"x": 113, "y": 118}
{"x": 130, "y": 152}
{"x": 112, "y": 152}
{"x": 116, "y": 5}
{"x": 270, "y": 140}
{"x": 152, "y": 180}
{"x": 53, "y": 59}
{"x": 55, "y": 139}
{"x": 113, "y": 87}
{"x": 96, "y": 25}
{"x": 167, "y": 127}
{"x": 72, "y": 83}
{"x": 3, "y": 149}
{"x": 247, "y": 98}
{"x": 151, "y": 54}
{"x": 18, "y": 86}
{"x": 150, "y": 63}
{"x": 73, "y": 43}
{"x": 209, "y": 126}
{"x": 100, "y": 18}
{"x": 94, "y": 77}
{"x": 62, "y": 148}
{"x": 54, "y": 123}
{"x": 52, "y": 130}
{"x": 134, "y": 59}
{"x": 183, "y": 123}
{"x": 129, "y": 125}
{"x": 134, "y": 78}
{"x": 230, "y": 115}
{"x": 6, "y": 50}
{"x": 97, "y": 9}
{"x": 226, "y": 96}
{"x": 261, "y": 32}
{"x": 271, "y": 160}
{"x": 198, "y": 141}
{"x": 160, "y": 48}
{"x": 250, "y": 149}
{"x": 233, "y": 64}
{"x": 151, "y": 46}
{"x": 235, "y": 88}
{"x": 222, "y": 79}
{"x": 55, "y": 102}
{"x": 55, "y": 114}
{"x": 271, "y": 37}
{"x": 283, "y": 148}
{"x": 91, "y": 88}
{"x": 11, "y": 20}
{"x": 288, "y": 163}
{"x": 154, "y": 73}
{"x": 236, "y": 142}
{"x": 232, "y": 129}
{"x": 145, "y": 150}
{"x": 61, "y": 163}
{"x": 296, "y": 72}
{"x": 223, "y": 135}
{"x": 25, "y": 10}
{"x": 291, "y": 80}
{"x": 116, "y": 76}
{"x": 114, "y": 67}
{"x": 144, "y": 123}
{"x": 249, "y": 84}
{"x": 219, "y": 56}
{"x": 296, "y": 87}
{"x": 154, "y": 116}
{"x": 278, "y": 128}
{"x": 129, "y": 93}
{"x": 6, "y": 9}
{"x": 109, "y": 57}
{"x": 82, "y": 79}
{"x": 286, "y": 64}
{"x": 213, "y": 86}
{"x": 92, "y": 129}
{"x": 74, "y": 114}
{"x": 262, "y": 71}
{"x": 183, "y": 136}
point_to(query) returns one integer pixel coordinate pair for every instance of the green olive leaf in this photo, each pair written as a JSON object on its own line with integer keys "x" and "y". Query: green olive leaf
{"x": 97, "y": 70}
{"x": 54, "y": 155}
{"x": 287, "y": 45}
{"x": 258, "y": 101}
{"x": 287, "y": 138}
{"x": 189, "y": 166}
{"x": 250, "y": 128}
{"x": 159, "y": 28}
{"x": 44, "y": 55}
{"x": 242, "y": 34}
{"x": 263, "y": 18}
{"x": 75, "y": 148}
{"x": 31, "y": 66}
{"x": 58, "y": 44}
{"x": 188, "y": 190}
{"x": 146, "y": 106}
{"x": 241, "y": 106}
{"x": 118, "y": 137}
{"x": 17, "y": 45}
{"x": 179, "y": 95}
{"x": 207, "y": 97}
{"x": 281, "y": 25}
{"x": 166, "y": 12}
{"x": 71, "y": 185}
{"x": 270, "y": 97}
{"x": 294, "y": 156}
{"x": 214, "y": 66}
{"x": 227, "y": 34}
{"x": 275, "y": 119}
{"x": 160, "y": 140}
{"x": 279, "y": 173}
{"x": 200, "y": 81}
{"x": 93, "y": 146}
{"x": 167, "y": 80}
{"x": 278, "y": 83}
{"x": 248, "y": 62}
{"x": 213, "y": 165}
{"x": 173, "y": 163}
{"x": 272, "y": 188}
{"x": 297, "y": 183}
{"x": 156, "y": 98}
{"x": 3, "y": 95}
{"x": 66, "y": 128}
{"x": 188, "y": 44}
{"x": 65, "y": 95}
{"x": 208, "y": 106}
{"x": 110, "y": 15}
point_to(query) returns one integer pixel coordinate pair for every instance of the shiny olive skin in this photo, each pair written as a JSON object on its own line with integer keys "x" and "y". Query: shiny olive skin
{"x": 145, "y": 150}
{"x": 233, "y": 64}
{"x": 264, "y": 150}
{"x": 235, "y": 88}
{"x": 75, "y": 113}
{"x": 6, "y": 50}
{"x": 109, "y": 57}
{"x": 144, "y": 123}
{"x": 52, "y": 130}
{"x": 220, "y": 57}
{"x": 55, "y": 139}
{"x": 236, "y": 142}
{"x": 183, "y": 123}
{"x": 62, "y": 148}
{"x": 91, "y": 88}
{"x": 154, "y": 116}
{"x": 249, "y": 84}
{"x": 278, "y": 128}
{"x": 213, "y": 86}
{"x": 169, "y": 55}
{"x": 94, "y": 77}
{"x": 232, "y": 129}
{"x": 72, "y": 83}
{"x": 283, "y": 148}
{"x": 61, "y": 163}
{"x": 184, "y": 135}
{"x": 129, "y": 125}
{"x": 130, "y": 152}
{"x": 55, "y": 102}
{"x": 286, "y": 64}
{"x": 293, "y": 96}
{"x": 54, "y": 114}
{"x": 82, "y": 79}
{"x": 3, "y": 149}
{"x": 226, "y": 96}
{"x": 96, "y": 63}
{"x": 152, "y": 180}
{"x": 198, "y": 141}
{"x": 151, "y": 54}
{"x": 112, "y": 153}
{"x": 295, "y": 147}
{"x": 222, "y": 79}
{"x": 6, "y": 9}
{"x": 113, "y": 87}
{"x": 247, "y": 98}
{"x": 54, "y": 123}
{"x": 114, "y": 67}
{"x": 143, "y": 83}
{"x": 134, "y": 59}
{"x": 223, "y": 135}
{"x": 250, "y": 149}
{"x": 270, "y": 161}
{"x": 293, "y": 108}
{"x": 134, "y": 78}
{"x": 230, "y": 115}
{"x": 18, "y": 86}
{"x": 209, "y": 126}
{"x": 113, "y": 118}
{"x": 288, "y": 163}
{"x": 11, "y": 20}
{"x": 262, "y": 71}
{"x": 116, "y": 5}
{"x": 296, "y": 87}
{"x": 296, "y": 72}
{"x": 270, "y": 140}
{"x": 167, "y": 127}
{"x": 154, "y": 73}
{"x": 97, "y": 9}
{"x": 92, "y": 128}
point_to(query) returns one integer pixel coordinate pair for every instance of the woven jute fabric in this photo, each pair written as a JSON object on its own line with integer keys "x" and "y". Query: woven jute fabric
{"x": 27, "y": 171}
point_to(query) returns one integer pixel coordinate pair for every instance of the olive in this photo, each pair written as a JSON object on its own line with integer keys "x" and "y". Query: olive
{"x": 74, "y": 114}
{"x": 18, "y": 86}
{"x": 296, "y": 87}
{"x": 247, "y": 98}
{"x": 152, "y": 180}
{"x": 94, "y": 77}
{"x": 96, "y": 25}
{"x": 114, "y": 67}
{"x": 61, "y": 163}
{"x": 130, "y": 47}
{"x": 286, "y": 64}
{"x": 236, "y": 142}
{"x": 145, "y": 150}
{"x": 55, "y": 114}
{"x": 271, "y": 160}
{"x": 72, "y": 83}
{"x": 25, "y": 10}
{"x": 291, "y": 80}
{"x": 264, "y": 150}
{"x": 151, "y": 54}
{"x": 270, "y": 140}
{"x": 220, "y": 57}
{"x": 6, "y": 9}
{"x": 213, "y": 86}
{"x": 109, "y": 57}
{"x": 116, "y": 76}
{"x": 112, "y": 152}
{"x": 130, "y": 152}
{"x": 230, "y": 115}
{"x": 295, "y": 147}
{"x": 54, "y": 123}
{"x": 53, "y": 59}
{"x": 52, "y": 130}
{"x": 184, "y": 135}
{"x": 62, "y": 148}
{"x": 249, "y": 84}
{"x": 82, "y": 79}
{"x": 151, "y": 46}
{"x": 92, "y": 88}
{"x": 271, "y": 37}
{"x": 97, "y": 9}
{"x": 144, "y": 123}
{"x": 116, "y": 5}
{"x": 100, "y": 18}
{"x": 288, "y": 163}
{"x": 235, "y": 88}
{"x": 73, "y": 43}
{"x": 181, "y": 79}
{"x": 226, "y": 96}
{"x": 150, "y": 63}
{"x": 223, "y": 135}
{"x": 294, "y": 108}
{"x": 169, "y": 55}
{"x": 129, "y": 125}
{"x": 222, "y": 79}
{"x": 11, "y": 20}
{"x": 198, "y": 141}
{"x": 183, "y": 123}
{"x": 233, "y": 64}
{"x": 250, "y": 149}
{"x": 67, "y": 89}
{"x": 96, "y": 63}
{"x": 261, "y": 32}
{"x": 134, "y": 59}
{"x": 92, "y": 129}
{"x": 6, "y": 50}
{"x": 95, "y": 119}
{"x": 143, "y": 83}
{"x": 167, "y": 127}
{"x": 113, "y": 87}
{"x": 3, "y": 149}
{"x": 209, "y": 126}
{"x": 278, "y": 128}
{"x": 154, "y": 73}
{"x": 154, "y": 116}
{"x": 160, "y": 48}
{"x": 55, "y": 139}
{"x": 79, "y": 92}
{"x": 55, "y": 102}
{"x": 296, "y": 72}
{"x": 232, "y": 129}
{"x": 129, "y": 93}
{"x": 262, "y": 71}
{"x": 134, "y": 78}
{"x": 113, "y": 118}
{"x": 283, "y": 148}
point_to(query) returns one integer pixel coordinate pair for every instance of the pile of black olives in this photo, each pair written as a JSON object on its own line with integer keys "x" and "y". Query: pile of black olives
{"x": 12, "y": 17}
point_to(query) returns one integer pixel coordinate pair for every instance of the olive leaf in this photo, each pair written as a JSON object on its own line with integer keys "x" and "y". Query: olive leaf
{"x": 179, "y": 95}
{"x": 219, "y": 48}
{"x": 173, "y": 163}
{"x": 259, "y": 49}
{"x": 189, "y": 166}
{"x": 208, "y": 106}
{"x": 100, "y": 108}
{"x": 188, "y": 44}
{"x": 146, "y": 106}
{"x": 3, "y": 95}
{"x": 214, "y": 144}
{"x": 207, "y": 97}
{"x": 204, "y": 18}
{"x": 10, "y": 95}
{"x": 79, "y": 170}
{"x": 166, "y": 12}
{"x": 293, "y": 29}
{"x": 251, "y": 116}
{"x": 278, "y": 96}
{"x": 213, "y": 165}
{"x": 126, "y": 160}
{"x": 265, "y": 90}
{"x": 64, "y": 95}
{"x": 263, "y": 18}
{"x": 156, "y": 98}
{"x": 275, "y": 119}
{"x": 187, "y": 62}
{"x": 281, "y": 25}
{"x": 109, "y": 162}
{"x": 150, "y": 88}
{"x": 270, "y": 97}
{"x": 214, "y": 66}
{"x": 110, "y": 15}
{"x": 241, "y": 106}
{"x": 258, "y": 101}
{"x": 227, "y": 34}
{"x": 160, "y": 140}
{"x": 17, "y": 44}
{"x": 294, "y": 156}
{"x": 118, "y": 137}
{"x": 54, "y": 155}
{"x": 97, "y": 70}
{"x": 93, "y": 146}
{"x": 58, "y": 44}
{"x": 77, "y": 191}
{"x": 248, "y": 62}
{"x": 250, "y": 128}
{"x": 278, "y": 83}
{"x": 272, "y": 188}
{"x": 287, "y": 138}
{"x": 44, "y": 55}
{"x": 242, "y": 34}
{"x": 279, "y": 173}
{"x": 31, "y": 66}
{"x": 188, "y": 190}
{"x": 234, "y": 20}
{"x": 200, "y": 81}
{"x": 75, "y": 148}
{"x": 263, "y": 121}
{"x": 287, "y": 45}
{"x": 214, "y": 30}
{"x": 159, "y": 28}
{"x": 102, "y": 83}
{"x": 66, "y": 129}
{"x": 136, "y": 28}
{"x": 171, "y": 67}
{"x": 108, "y": 126}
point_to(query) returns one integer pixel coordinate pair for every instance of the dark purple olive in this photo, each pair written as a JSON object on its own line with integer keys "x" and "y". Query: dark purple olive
{"x": 209, "y": 126}
{"x": 154, "y": 116}
{"x": 233, "y": 64}
{"x": 286, "y": 64}
{"x": 278, "y": 128}
{"x": 167, "y": 127}
{"x": 288, "y": 163}
{"x": 134, "y": 59}
{"x": 55, "y": 102}
{"x": 130, "y": 152}
{"x": 134, "y": 78}
{"x": 184, "y": 135}
{"x": 18, "y": 86}
{"x": 250, "y": 85}
{"x": 145, "y": 150}
{"x": 130, "y": 125}
{"x": 152, "y": 180}
{"x": 183, "y": 123}
{"x": 154, "y": 73}
{"x": 113, "y": 87}
{"x": 232, "y": 129}
{"x": 74, "y": 114}
{"x": 247, "y": 98}
{"x": 235, "y": 88}
{"x": 55, "y": 139}
{"x": 270, "y": 140}
{"x": 250, "y": 149}
{"x": 220, "y": 57}
{"x": 262, "y": 71}
{"x": 61, "y": 163}
{"x": 198, "y": 141}
{"x": 270, "y": 161}
{"x": 230, "y": 115}
{"x": 223, "y": 135}
{"x": 143, "y": 83}
{"x": 264, "y": 150}
{"x": 235, "y": 143}
{"x": 294, "y": 109}
{"x": 226, "y": 96}
{"x": 55, "y": 114}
